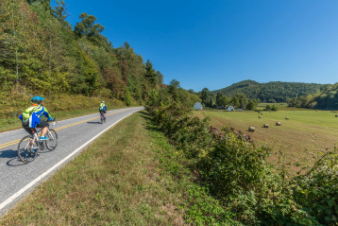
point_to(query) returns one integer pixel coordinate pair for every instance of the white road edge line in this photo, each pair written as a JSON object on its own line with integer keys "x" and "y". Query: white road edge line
{"x": 28, "y": 186}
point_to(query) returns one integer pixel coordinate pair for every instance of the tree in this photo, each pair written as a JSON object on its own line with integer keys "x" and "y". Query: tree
{"x": 173, "y": 88}
{"x": 127, "y": 97}
{"x": 16, "y": 18}
{"x": 274, "y": 108}
{"x": 151, "y": 74}
{"x": 267, "y": 107}
{"x": 55, "y": 54}
{"x": 239, "y": 100}
{"x": 89, "y": 30}
{"x": 251, "y": 105}
{"x": 60, "y": 13}
{"x": 159, "y": 77}
{"x": 204, "y": 95}
{"x": 87, "y": 27}
{"x": 222, "y": 100}
{"x": 44, "y": 3}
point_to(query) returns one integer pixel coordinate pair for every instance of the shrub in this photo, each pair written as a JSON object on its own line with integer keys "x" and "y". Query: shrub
{"x": 251, "y": 105}
{"x": 235, "y": 171}
{"x": 274, "y": 108}
{"x": 267, "y": 107}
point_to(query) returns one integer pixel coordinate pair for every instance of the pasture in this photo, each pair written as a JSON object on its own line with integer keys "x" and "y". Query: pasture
{"x": 303, "y": 137}
{"x": 262, "y": 106}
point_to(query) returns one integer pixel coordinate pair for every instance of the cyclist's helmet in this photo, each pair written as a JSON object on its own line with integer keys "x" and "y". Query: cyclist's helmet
{"x": 103, "y": 101}
{"x": 37, "y": 99}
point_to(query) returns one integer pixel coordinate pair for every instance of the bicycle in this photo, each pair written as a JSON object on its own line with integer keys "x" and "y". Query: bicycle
{"x": 103, "y": 118}
{"x": 30, "y": 145}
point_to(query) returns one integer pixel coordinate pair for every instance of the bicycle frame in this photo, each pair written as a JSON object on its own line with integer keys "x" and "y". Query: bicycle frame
{"x": 35, "y": 139}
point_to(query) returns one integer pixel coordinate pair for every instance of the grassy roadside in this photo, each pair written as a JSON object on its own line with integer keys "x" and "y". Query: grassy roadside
{"x": 129, "y": 176}
{"x": 59, "y": 115}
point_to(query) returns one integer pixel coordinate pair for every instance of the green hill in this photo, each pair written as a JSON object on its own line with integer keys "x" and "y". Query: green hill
{"x": 271, "y": 91}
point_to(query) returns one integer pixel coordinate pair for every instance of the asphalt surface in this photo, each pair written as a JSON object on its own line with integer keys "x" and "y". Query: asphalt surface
{"x": 72, "y": 134}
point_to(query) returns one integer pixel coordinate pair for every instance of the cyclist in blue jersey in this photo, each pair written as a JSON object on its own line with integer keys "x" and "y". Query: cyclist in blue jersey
{"x": 103, "y": 108}
{"x": 31, "y": 117}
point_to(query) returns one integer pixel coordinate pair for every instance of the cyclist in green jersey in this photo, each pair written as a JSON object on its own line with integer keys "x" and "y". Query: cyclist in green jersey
{"x": 31, "y": 117}
{"x": 103, "y": 108}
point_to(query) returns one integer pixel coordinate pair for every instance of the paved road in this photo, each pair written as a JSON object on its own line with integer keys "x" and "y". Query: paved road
{"x": 73, "y": 133}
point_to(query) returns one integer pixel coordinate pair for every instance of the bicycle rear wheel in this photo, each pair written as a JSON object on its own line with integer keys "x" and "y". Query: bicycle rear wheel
{"x": 25, "y": 152}
{"x": 52, "y": 141}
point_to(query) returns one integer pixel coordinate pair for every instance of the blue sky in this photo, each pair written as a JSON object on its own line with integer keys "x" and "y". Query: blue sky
{"x": 216, "y": 43}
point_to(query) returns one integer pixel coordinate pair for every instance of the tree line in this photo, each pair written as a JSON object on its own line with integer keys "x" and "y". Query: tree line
{"x": 326, "y": 99}
{"x": 40, "y": 52}
{"x": 271, "y": 92}
{"x": 209, "y": 99}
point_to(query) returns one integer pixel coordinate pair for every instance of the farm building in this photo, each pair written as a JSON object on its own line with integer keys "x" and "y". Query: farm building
{"x": 230, "y": 108}
{"x": 198, "y": 106}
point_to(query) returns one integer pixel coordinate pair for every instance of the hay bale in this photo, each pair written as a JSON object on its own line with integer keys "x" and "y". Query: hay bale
{"x": 278, "y": 123}
{"x": 259, "y": 116}
{"x": 336, "y": 115}
{"x": 266, "y": 126}
{"x": 252, "y": 129}
{"x": 286, "y": 118}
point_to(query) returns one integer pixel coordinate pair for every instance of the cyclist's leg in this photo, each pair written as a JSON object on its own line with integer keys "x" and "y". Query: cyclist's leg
{"x": 25, "y": 126}
{"x": 45, "y": 126}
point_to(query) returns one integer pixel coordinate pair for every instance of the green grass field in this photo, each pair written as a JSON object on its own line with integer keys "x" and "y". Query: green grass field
{"x": 305, "y": 135}
{"x": 262, "y": 106}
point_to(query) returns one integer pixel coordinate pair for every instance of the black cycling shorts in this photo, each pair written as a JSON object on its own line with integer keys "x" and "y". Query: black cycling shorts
{"x": 104, "y": 111}
{"x": 42, "y": 124}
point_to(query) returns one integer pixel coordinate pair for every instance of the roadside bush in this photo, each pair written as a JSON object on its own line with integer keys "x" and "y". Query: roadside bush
{"x": 235, "y": 171}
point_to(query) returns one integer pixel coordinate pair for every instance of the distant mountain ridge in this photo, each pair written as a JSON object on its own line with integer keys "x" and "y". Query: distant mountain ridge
{"x": 271, "y": 91}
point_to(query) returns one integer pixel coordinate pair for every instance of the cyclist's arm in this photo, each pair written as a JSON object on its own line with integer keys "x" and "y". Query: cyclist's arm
{"x": 46, "y": 113}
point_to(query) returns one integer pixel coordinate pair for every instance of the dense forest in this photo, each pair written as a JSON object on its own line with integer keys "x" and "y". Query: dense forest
{"x": 41, "y": 53}
{"x": 327, "y": 99}
{"x": 271, "y": 92}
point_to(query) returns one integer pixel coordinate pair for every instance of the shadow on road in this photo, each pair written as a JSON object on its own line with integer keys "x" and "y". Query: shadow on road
{"x": 94, "y": 122}
{"x": 8, "y": 154}
{"x": 13, "y": 156}
{"x": 15, "y": 162}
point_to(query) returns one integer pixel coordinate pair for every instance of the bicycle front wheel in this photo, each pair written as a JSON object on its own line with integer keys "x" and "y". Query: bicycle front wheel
{"x": 28, "y": 151}
{"x": 52, "y": 141}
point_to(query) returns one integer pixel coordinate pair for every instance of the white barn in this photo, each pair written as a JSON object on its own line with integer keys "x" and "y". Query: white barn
{"x": 198, "y": 106}
{"x": 230, "y": 108}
